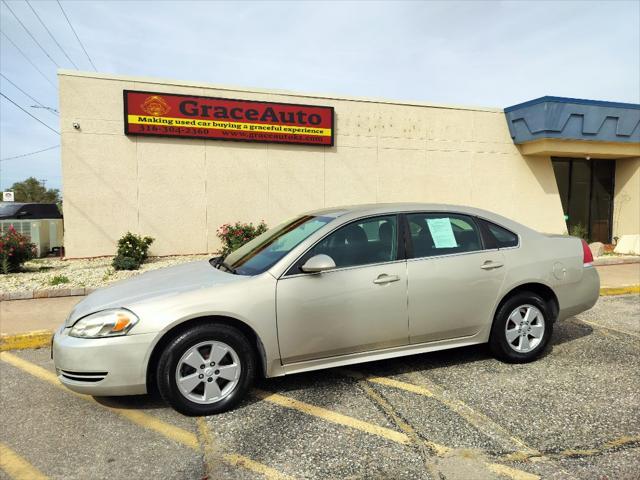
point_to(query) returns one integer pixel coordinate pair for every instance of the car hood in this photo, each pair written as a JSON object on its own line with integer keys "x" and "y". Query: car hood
{"x": 150, "y": 285}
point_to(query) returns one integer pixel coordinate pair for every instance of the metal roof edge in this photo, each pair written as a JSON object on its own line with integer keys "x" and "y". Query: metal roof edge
{"x": 578, "y": 101}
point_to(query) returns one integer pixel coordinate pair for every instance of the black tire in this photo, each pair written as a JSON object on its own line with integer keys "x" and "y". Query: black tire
{"x": 175, "y": 349}
{"x": 498, "y": 342}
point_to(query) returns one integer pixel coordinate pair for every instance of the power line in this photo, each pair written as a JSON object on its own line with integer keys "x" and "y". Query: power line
{"x": 28, "y": 59}
{"x": 35, "y": 118}
{"x": 30, "y": 34}
{"x": 29, "y": 154}
{"x": 77, "y": 37}
{"x": 39, "y": 103}
{"x": 51, "y": 34}
{"x": 50, "y": 109}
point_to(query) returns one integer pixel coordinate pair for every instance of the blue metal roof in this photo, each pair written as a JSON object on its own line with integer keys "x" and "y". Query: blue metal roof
{"x": 574, "y": 119}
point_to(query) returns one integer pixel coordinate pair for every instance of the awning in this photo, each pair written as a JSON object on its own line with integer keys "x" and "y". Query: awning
{"x": 575, "y": 127}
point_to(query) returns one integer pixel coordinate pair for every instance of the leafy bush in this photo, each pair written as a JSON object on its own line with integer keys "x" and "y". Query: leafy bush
{"x": 125, "y": 263}
{"x": 15, "y": 249}
{"x": 58, "y": 280}
{"x": 236, "y": 235}
{"x": 133, "y": 250}
{"x": 579, "y": 231}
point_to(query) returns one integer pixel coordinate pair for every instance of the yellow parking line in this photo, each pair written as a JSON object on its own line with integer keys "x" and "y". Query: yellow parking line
{"x": 409, "y": 387}
{"x": 511, "y": 472}
{"x": 483, "y": 423}
{"x": 167, "y": 430}
{"x": 268, "y": 472}
{"x": 439, "y": 450}
{"x": 333, "y": 417}
{"x": 17, "y": 467}
{"x": 605, "y": 327}
{"x": 30, "y": 368}
{"x": 189, "y": 439}
{"x": 402, "y": 438}
{"x": 476, "y": 419}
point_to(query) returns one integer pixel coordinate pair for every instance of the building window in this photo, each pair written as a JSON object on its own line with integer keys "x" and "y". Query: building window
{"x": 586, "y": 192}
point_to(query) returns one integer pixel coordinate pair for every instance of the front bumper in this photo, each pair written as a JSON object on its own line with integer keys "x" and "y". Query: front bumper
{"x": 102, "y": 366}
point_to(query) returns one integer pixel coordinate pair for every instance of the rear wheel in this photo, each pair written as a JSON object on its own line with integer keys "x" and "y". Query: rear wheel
{"x": 206, "y": 369}
{"x": 521, "y": 329}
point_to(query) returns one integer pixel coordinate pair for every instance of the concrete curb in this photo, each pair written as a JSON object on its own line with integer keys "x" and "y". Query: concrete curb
{"x": 21, "y": 341}
{"x": 612, "y": 260}
{"x": 627, "y": 290}
{"x": 42, "y": 338}
{"x": 48, "y": 293}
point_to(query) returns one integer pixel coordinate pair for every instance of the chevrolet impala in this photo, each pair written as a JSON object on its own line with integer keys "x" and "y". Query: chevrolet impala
{"x": 328, "y": 288}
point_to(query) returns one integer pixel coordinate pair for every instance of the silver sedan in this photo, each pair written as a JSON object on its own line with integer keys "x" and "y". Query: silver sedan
{"x": 328, "y": 288}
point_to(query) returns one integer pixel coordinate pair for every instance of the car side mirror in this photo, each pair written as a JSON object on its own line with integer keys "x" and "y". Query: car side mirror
{"x": 318, "y": 263}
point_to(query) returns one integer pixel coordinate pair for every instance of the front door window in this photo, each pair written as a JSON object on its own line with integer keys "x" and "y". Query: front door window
{"x": 363, "y": 242}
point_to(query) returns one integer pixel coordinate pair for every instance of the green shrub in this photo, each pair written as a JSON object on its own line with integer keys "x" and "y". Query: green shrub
{"x": 579, "y": 231}
{"x": 133, "y": 250}
{"x": 15, "y": 249}
{"x": 121, "y": 262}
{"x": 236, "y": 235}
{"x": 58, "y": 280}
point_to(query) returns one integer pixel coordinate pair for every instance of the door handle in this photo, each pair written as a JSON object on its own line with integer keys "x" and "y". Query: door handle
{"x": 489, "y": 265}
{"x": 384, "y": 278}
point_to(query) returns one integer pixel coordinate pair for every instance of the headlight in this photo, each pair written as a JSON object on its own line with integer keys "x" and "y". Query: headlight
{"x": 107, "y": 323}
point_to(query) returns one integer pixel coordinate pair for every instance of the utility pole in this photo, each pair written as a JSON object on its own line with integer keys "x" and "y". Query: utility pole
{"x": 43, "y": 181}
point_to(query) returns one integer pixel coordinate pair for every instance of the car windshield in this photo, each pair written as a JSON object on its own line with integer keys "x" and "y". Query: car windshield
{"x": 7, "y": 209}
{"x": 264, "y": 251}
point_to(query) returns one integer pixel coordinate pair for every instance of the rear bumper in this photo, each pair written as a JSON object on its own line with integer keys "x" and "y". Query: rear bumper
{"x": 577, "y": 297}
{"x": 102, "y": 366}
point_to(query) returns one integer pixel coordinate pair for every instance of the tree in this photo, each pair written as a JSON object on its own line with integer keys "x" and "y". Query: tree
{"x": 31, "y": 190}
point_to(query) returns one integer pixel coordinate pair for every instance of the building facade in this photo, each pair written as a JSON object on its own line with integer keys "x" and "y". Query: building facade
{"x": 554, "y": 164}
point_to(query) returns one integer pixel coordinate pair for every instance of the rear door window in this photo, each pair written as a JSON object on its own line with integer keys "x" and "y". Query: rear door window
{"x": 434, "y": 234}
{"x": 497, "y": 236}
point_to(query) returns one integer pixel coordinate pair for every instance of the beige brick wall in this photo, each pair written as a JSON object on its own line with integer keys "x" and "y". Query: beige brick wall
{"x": 626, "y": 201}
{"x": 179, "y": 191}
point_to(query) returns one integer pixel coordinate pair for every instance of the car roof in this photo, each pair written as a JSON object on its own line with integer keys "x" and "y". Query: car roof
{"x": 375, "y": 208}
{"x": 355, "y": 211}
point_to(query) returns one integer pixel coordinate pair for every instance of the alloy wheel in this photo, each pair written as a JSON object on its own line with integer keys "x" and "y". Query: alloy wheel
{"x": 208, "y": 372}
{"x": 524, "y": 329}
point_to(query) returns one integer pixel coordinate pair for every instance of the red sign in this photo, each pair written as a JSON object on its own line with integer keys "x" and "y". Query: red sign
{"x": 187, "y": 116}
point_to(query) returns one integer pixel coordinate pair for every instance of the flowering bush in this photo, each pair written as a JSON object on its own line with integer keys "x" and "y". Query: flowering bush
{"x": 15, "y": 249}
{"x": 236, "y": 235}
{"x": 133, "y": 250}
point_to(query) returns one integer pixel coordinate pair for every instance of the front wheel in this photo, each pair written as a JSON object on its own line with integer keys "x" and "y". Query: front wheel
{"x": 206, "y": 370}
{"x": 521, "y": 329}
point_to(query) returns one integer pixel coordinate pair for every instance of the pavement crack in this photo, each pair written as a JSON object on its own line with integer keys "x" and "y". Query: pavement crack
{"x": 612, "y": 446}
{"x": 211, "y": 454}
{"x": 427, "y": 450}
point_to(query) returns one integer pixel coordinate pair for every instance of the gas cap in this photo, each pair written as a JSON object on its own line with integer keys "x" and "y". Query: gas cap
{"x": 559, "y": 271}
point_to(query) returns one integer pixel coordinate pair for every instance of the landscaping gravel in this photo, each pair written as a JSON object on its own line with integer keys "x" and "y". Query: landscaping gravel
{"x": 55, "y": 273}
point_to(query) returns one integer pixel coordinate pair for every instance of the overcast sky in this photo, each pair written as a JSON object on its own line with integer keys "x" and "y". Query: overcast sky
{"x": 492, "y": 54}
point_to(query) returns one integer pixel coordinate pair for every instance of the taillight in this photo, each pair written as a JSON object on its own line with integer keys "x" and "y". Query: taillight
{"x": 587, "y": 256}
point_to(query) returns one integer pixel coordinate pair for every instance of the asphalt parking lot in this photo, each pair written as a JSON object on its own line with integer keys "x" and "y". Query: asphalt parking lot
{"x": 575, "y": 413}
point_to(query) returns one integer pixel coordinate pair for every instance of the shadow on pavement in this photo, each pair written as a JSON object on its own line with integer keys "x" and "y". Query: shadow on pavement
{"x": 132, "y": 402}
{"x": 566, "y": 331}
